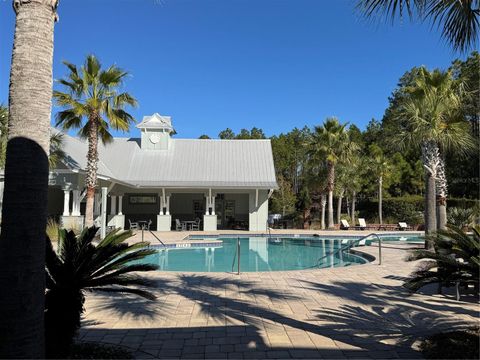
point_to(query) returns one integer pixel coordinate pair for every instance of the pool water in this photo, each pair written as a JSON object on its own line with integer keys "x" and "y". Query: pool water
{"x": 256, "y": 254}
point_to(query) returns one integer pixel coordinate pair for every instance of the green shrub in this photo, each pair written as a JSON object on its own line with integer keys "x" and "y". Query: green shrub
{"x": 461, "y": 217}
{"x": 52, "y": 229}
{"x": 405, "y": 208}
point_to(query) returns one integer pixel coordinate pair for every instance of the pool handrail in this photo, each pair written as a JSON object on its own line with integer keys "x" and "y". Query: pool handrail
{"x": 350, "y": 245}
{"x": 155, "y": 236}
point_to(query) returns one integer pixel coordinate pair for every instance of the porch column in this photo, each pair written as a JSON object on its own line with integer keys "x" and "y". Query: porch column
{"x": 96, "y": 204}
{"x": 120, "y": 200}
{"x": 66, "y": 202}
{"x": 207, "y": 205}
{"x": 76, "y": 203}
{"x": 213, "y": 204}
{"x": 103, "y": 215}
{"x": 164, "y": 220}
{"x": 113, "y": 204}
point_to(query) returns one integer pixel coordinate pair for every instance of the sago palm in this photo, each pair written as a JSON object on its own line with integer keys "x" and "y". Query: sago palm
{"x": 458, "y": 19}
{"x": 94, "y": 103}
{"x": 328, "y": 144}
{"x": 454, "y": 261}
{"x": 434, "y": 122}
{"x": 78, "y": 266}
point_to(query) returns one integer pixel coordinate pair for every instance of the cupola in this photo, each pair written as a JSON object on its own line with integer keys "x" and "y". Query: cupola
{"x": 156, "y": 132}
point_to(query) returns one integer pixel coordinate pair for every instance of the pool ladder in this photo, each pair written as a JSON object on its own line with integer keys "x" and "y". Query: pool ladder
{"x": 351, "y": 244}
{"x": 237, "y": 255}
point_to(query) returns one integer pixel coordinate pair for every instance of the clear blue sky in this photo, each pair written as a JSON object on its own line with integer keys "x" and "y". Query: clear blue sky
{"x": 212, "y": 64}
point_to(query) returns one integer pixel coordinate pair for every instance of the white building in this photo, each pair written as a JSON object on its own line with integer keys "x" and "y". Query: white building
{"x": 225, "y": 183}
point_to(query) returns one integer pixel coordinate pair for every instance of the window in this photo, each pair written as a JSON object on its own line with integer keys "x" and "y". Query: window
{"x": 142, "y": 199}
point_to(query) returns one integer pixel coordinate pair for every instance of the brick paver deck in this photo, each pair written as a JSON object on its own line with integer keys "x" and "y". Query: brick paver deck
{"x": 358, "y": 311}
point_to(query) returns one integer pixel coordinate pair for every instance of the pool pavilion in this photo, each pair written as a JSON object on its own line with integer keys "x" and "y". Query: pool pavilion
{"x": 169, "y": 182}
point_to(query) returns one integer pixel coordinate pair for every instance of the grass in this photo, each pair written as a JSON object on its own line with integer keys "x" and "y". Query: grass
{"x": 452, "y": 345}
{"x": 91, "y": 350}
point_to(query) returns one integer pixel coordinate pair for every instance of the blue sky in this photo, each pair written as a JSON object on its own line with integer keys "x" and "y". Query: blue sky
{"x": 212, "y": 64}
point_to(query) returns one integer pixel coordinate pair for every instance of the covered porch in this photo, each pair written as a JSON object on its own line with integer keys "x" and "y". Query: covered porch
{"x": 118, "y": 205}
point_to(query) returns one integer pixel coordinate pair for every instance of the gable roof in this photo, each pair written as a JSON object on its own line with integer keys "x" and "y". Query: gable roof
{"x": 156, "y": 121}
{"x": 199, "y": 163}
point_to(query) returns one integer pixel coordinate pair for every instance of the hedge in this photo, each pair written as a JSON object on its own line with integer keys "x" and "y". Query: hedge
{"x": 405, "y": 208}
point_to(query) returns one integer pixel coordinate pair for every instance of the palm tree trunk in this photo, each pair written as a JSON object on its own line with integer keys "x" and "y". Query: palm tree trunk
{"x": 24, "y": 215}
{"x": 354, "y": 201}
{"x": 92, "y": 164}
{"x": 330, "y": 187}
{"x": 306, "y": 218}
{"x": 339, "y": 205}
{"x": 380, "y": 195}
{"x": 323, "y": 203}
{"x": 441, "y": 188}
{"x": 430, "y": 158}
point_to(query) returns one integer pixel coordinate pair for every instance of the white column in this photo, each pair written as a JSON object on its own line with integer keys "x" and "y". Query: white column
{"x": 113, "y": 204}
{"x": 167, "y": 206}
{"x": 207, "y": 205}
{"x": 213, "y": 205}
{"x": 66, "y": 202}
{"x": 120, "y": 200}
{"x": 76, "y": 203}
{"x": 103, "y": 224}
{"x": 96, "y": 204}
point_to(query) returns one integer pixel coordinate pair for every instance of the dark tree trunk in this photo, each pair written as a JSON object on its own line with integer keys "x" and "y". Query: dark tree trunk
{"x": 24, "y": 214}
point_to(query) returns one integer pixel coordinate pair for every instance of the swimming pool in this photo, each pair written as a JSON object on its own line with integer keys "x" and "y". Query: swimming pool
{"x": 256, "y": 254}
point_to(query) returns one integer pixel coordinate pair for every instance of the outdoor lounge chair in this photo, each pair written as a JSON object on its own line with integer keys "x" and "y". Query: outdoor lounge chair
{"x": 344, "y": 225}
{"x": 179, "y": 226}
{"x": 133, "y": 225}
{"x": 362, "y": 224}
{"x": 402, "y": 226}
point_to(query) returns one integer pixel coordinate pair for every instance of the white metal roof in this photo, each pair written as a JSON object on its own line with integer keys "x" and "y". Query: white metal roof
{"x": 198, "y": 163}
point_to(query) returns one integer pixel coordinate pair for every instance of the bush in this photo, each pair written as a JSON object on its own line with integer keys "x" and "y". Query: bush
{"x": 452, "y": 345}
{"x": 52, "y": 229}
{"x": 461, "y": 217}
{"x": 406, "y": 208}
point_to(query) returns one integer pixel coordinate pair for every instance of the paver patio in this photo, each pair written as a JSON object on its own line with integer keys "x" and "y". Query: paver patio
{"x": 353, "y": 312}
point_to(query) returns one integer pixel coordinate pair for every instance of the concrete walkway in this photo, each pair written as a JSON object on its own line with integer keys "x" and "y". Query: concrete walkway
{"x": 353, "y": 312}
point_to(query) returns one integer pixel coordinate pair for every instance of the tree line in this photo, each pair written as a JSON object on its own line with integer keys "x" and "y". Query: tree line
{"x": 426, "y": 144}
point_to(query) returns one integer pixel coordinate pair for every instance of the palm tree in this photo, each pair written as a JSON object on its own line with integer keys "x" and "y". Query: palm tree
{"x": 329, "y": 143}
{"x": 24, "y": 213}
{"x": 455, "y": 261}
{"x": 434, "y": 122}
{"x": 3, "y": 134}
{"x": 78, "y": 266}
{"x": 380, "y": 167}
{"x": 458, "y": 19}
{"x": 56, "y": 154}
{"x": 94, "y": 104}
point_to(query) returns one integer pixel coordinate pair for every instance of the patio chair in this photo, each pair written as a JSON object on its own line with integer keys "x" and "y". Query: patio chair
{"x": 362, "y": 224}
{"x": 196, "y": 225}
{"x": 133, "y": 225}
{"x": 402, "y": 226}
{"x": 344, "y": 225}
{"x": 179, "y": 226}
{"x": 147, "y": 225}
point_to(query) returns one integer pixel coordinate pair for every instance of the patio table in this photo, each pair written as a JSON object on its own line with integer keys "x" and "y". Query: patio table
{"x": 143, "y": 224}
{"x": 189, "y": 224}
